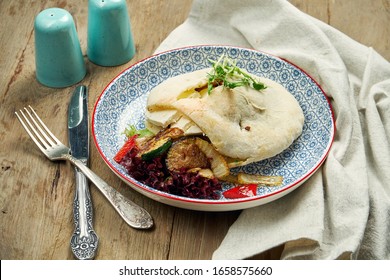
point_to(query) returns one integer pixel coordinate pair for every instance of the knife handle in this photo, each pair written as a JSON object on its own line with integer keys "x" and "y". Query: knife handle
{"x": 133, "y": 214}
{"x": 84, "y": 240}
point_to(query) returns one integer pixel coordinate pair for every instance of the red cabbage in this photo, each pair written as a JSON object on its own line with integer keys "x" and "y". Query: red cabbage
{"x": 155, "y": 174}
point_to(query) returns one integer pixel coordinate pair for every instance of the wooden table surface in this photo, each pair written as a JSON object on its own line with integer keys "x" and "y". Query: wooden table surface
{"x": 36, "y": 194}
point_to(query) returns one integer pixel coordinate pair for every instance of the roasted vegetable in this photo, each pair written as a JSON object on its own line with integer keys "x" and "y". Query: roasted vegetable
{"x": 159, "y": 144}
{"x": 204, "y": 172}
{"x": 248, "y": 179}
{"x": 156, "y": 148}
{"x": 185, "y": 154}
{"x": 217, "y": 161}
{"x": 129, "y": 144}
{"x": 191, "y": 153}
{"x": 241, "y": 191}
{"x": 244, "y": 178}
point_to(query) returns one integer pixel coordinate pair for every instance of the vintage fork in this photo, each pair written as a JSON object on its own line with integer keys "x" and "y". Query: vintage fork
{"x": 134, "y": 215}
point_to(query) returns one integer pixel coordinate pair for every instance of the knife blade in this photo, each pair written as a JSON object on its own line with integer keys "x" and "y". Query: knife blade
{"x": 84, "y": 240}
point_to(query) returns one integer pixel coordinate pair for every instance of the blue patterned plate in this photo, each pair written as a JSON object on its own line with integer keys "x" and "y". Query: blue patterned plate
{"x": 123, "y": 102}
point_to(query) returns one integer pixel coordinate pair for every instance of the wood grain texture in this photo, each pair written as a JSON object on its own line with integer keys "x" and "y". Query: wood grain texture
{"x": 36, "y": 194}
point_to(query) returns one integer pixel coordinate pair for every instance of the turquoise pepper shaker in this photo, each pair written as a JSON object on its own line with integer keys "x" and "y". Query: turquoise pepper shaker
{"x": 58, "y": 57}
{"x": 110, "y": 40}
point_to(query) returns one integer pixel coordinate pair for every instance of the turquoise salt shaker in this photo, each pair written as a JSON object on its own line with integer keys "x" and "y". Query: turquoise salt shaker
{"x": 110, "y": 40}
{"x": 58, "y": 57}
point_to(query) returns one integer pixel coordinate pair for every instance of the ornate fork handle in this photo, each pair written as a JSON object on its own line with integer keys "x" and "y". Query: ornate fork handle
{"x": 134, "y": 215}
{"x": 84, "y": 241}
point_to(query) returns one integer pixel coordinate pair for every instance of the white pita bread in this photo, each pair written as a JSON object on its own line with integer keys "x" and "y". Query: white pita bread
{"x": 243, "y": 124}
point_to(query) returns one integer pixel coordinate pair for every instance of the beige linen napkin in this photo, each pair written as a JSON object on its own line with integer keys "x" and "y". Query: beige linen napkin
{"x": 343, "y": 210}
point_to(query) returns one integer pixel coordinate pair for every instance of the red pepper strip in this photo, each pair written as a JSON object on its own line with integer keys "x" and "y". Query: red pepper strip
{"x": 241, "y": 191}
{"x": 129, "y": 144}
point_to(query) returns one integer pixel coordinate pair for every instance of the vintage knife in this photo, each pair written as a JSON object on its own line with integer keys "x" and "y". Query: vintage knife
{"x": 84, "y": 240}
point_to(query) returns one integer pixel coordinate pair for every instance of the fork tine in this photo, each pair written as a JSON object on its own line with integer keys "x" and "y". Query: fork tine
{"x": 31, "y": 131}
{"x": 47, "y": 130}
{"x": 40, "y": 128}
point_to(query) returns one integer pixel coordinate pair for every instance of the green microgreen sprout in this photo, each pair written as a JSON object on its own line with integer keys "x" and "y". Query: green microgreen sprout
{"x": 225, "y": 72}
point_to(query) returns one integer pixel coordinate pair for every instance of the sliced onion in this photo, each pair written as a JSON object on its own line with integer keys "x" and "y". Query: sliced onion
{"x": 218, "y": 163}
{"x": 204, "y": 172}
{"x": 244, "y": 178}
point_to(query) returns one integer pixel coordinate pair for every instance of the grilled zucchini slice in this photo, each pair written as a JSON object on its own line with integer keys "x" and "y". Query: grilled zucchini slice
{"x": 156, "y": 147}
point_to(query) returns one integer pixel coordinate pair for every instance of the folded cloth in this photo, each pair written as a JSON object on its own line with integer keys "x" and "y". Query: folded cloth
{"x": 343, "y": 210}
